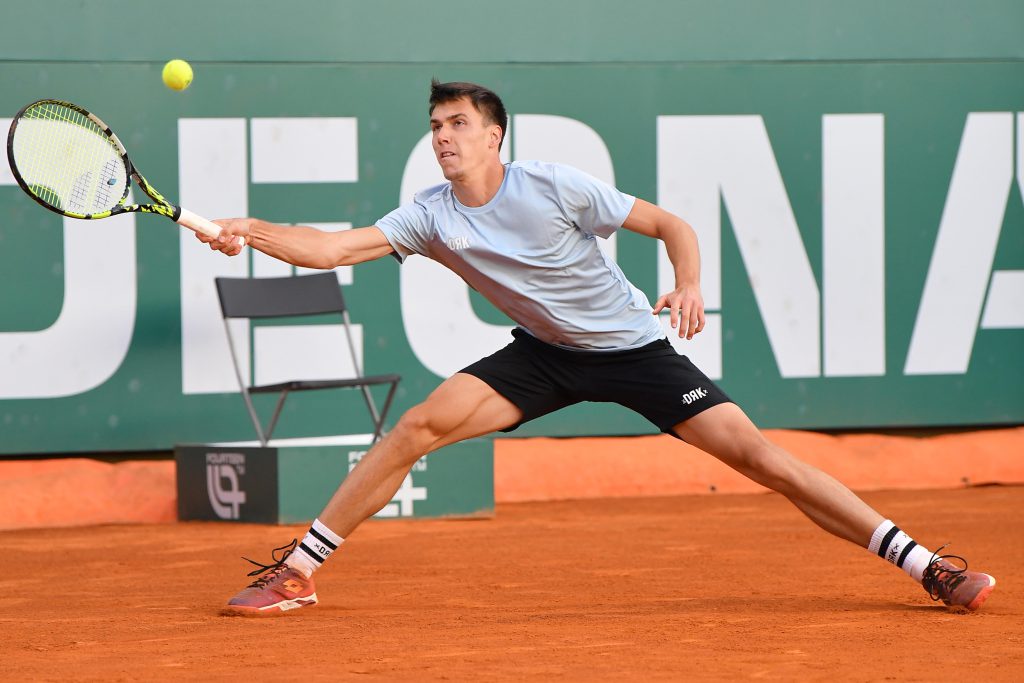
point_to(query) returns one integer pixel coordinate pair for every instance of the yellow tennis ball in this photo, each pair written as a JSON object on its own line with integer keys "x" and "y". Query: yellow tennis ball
{"x": 177, "y": 74}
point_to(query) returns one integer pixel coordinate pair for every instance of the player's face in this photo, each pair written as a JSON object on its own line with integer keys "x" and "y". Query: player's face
{"x": 463, "y": 141}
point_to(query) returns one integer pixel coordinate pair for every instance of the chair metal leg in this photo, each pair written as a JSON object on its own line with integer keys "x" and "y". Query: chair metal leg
{"x": 370, "y": 404}
{"x": 359, "y": 368}
{"x": 243, "y": 387}
{"x": 277, "y": 414}
{"x": 255, "y": 418}
{"x": 379, "y": 424}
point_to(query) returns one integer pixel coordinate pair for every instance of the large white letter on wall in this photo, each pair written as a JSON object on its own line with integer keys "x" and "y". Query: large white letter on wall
{"x": 304, "y": 150}
{"x": 853, "y": 244}
{"x": 213, "y": 176}
{"x": 965, "y": 248}
{"x": 706, "y": 160}
{"x": 90, "y": 338}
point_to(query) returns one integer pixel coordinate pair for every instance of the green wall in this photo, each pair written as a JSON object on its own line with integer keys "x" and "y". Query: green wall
{"x": 925, "y": 68}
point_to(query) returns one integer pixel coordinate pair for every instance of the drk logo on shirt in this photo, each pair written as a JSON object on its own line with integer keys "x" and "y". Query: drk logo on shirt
{"x": 456, "y": 243}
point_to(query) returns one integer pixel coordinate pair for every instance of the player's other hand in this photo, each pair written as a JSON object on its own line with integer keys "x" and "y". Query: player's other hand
{"x": 228, "y": 241}
{"x": 686, "y": 309}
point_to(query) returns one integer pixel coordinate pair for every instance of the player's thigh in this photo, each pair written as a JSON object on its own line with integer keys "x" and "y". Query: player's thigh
{"x": 725, "y": 432}
{"x": 462, "y": 407}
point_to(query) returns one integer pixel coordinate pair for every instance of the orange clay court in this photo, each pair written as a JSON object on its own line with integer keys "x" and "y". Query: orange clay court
{"x": 709, "y": 587}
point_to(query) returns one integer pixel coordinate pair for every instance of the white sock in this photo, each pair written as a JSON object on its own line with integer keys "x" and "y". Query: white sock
{"x": 316, "y": 546}
{"x": 894, "y": 546}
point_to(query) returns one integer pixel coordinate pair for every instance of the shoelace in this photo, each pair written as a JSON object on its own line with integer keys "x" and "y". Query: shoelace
{"x": 270, "y": 571}
{"x": 954, "y": 575}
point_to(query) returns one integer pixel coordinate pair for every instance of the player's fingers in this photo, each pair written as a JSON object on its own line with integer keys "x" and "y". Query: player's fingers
{"x": 232, "y": 237}
{"x": 231, "y": 229}
{"x": 692, "y": 329}
{"x": 229, "y": 246}
{"x": 684, "y": 317}
{"x": 700, "y": 321}
{"x": 684, "y": 321}
{"x": 658, "y": 305}
{"x": 674, "y": 314}
{"x": 229, "y": 243}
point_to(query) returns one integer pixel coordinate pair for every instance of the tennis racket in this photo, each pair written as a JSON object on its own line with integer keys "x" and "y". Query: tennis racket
{"x": 69, "y": 161}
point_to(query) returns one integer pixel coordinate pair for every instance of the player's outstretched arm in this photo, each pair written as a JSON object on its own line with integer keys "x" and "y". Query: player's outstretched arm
{"x": 685, "y": 303}
{"x": 300, "y": 245}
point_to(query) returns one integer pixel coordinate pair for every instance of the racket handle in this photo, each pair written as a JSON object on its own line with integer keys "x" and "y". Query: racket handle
{"x": 194, "y": 221}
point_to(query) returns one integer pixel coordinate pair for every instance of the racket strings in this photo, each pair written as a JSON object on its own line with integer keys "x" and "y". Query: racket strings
{"x": 40, "y": 177}
{"x": 108, "y": 178}
{"x": 68, "y": 160}
{"x": 48, "y": 175}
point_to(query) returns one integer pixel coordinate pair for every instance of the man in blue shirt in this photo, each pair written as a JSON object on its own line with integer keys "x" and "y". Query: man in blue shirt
{"x": 524, "y": 236}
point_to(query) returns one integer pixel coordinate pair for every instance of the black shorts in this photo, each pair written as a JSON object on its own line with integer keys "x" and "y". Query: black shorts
{"x": 653, "y": 380}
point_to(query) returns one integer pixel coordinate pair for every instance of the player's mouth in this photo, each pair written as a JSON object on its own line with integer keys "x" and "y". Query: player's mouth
{"x": 447, "y": 155}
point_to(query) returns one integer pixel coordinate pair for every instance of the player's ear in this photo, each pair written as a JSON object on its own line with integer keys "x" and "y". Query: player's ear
{"x": 495, "y": 137}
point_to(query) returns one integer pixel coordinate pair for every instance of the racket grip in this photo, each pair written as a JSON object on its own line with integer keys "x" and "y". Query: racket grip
{"x": 194, "y": 221}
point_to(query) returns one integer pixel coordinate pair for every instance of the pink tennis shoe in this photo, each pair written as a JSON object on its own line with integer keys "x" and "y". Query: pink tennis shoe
{"x": 278, "y": 589}
{"x": 956, "y": 586}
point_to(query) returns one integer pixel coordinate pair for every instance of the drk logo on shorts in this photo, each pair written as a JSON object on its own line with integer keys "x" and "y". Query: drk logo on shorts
{"x": 695, "y": 395}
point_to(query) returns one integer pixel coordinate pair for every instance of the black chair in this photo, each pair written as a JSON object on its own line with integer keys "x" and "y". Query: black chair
{"x": 304, "y": 295}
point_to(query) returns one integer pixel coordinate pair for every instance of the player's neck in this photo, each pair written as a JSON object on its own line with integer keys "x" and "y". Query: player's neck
{"x": 479, "y": 188}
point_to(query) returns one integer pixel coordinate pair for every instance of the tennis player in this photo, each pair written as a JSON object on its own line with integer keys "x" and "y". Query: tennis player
{"x": 524, "y": 235}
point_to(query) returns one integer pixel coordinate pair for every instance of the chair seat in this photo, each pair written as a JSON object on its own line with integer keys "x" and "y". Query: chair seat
{"x": 300, "y": 385}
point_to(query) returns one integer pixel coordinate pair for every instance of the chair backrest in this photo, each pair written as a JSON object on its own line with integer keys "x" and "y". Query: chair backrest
{"x": 294, "y": 296}
{"x": 276, "y": 297}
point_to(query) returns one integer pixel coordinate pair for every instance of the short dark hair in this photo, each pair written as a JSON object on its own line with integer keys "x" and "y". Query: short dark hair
{"x": 483, "y": 99}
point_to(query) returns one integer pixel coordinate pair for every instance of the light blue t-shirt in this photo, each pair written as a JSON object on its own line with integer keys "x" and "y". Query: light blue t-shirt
{"x": 532, "y": 252}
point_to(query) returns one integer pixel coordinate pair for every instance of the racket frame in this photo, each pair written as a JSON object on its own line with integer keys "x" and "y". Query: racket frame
{"x": 162, "y": 206}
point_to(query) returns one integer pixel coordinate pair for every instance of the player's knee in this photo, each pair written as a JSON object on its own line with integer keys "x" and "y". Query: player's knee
{"x": 771, "y": 467}
{"x": 419, "y": 426}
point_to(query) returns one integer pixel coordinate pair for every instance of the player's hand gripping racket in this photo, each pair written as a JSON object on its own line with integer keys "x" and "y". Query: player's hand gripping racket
{"x": 70, "y": 162}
